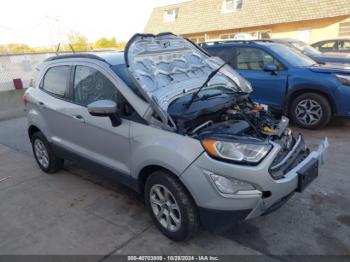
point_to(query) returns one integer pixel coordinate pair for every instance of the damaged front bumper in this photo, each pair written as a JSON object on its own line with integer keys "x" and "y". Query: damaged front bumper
{"x": 218, "y": 211}
{"x": 300, "y": 176}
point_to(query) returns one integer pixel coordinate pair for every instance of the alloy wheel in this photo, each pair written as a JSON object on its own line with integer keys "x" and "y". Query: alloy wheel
{"x": 308, "y": 112}
{"x": 41, "y": 153}
{"x": 165, "y": 207}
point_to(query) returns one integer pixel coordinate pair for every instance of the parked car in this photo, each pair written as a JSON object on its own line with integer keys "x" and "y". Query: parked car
{"x": 335, "y": 58}
{"x": 333, "y": 46}
{"x": 288, "y": 81}
{"x": 174, "y": 124}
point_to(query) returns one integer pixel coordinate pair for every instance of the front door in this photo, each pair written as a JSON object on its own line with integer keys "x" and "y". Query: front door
{"x": 268, "y": 87}
{"x": 94, "y": 137}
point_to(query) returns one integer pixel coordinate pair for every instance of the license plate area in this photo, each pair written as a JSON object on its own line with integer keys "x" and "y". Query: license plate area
{"x": 307, "y": 174}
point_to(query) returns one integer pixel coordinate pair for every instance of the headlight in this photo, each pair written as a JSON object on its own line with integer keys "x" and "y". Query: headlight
{"x": 344, "y": 79}
{"x": 251, "y": 153}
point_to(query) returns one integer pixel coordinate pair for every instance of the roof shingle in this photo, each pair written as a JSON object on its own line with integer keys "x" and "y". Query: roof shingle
{"x": 206, "y": 15}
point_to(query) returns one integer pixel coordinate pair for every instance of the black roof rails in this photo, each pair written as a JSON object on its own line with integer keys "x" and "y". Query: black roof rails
{"x": 235, "y": 41}
{"x": 90, "y": 56}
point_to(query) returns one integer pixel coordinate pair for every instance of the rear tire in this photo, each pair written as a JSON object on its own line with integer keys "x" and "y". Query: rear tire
{"x": 171, "y": 207}
{"x": 310, "y": 111}
{"x": 44, "y": 154}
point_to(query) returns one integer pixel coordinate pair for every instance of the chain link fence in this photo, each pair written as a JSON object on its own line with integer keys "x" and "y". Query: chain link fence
{"x": 22, "y": 66}
{"x": 19, "y": 66}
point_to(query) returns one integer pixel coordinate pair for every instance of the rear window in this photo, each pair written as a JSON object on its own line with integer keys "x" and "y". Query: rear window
{"x": 55, "y": 80}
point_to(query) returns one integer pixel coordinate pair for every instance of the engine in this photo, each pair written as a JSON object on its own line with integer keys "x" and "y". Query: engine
{"x": 231, "y": 115}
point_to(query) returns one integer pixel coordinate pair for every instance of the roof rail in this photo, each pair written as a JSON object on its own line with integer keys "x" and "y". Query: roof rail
{"x": 219, "y": 42}
{"x": 90, "y": 56}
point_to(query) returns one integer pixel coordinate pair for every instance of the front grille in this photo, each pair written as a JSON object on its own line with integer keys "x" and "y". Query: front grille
{"x": 287, "y": 159}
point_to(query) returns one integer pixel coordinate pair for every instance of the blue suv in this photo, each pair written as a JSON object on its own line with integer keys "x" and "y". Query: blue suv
{"x": 289, "y": 81}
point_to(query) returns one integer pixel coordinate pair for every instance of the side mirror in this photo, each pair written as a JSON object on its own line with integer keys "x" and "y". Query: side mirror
{"x": 105, "y": 108}
{"x": 270, "y": 68}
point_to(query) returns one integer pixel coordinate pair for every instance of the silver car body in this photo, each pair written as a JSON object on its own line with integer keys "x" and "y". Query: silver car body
{"x": 135, "y": 147}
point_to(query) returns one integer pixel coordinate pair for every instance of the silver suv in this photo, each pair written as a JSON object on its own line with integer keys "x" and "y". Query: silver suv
{"x": 173, "y": 123}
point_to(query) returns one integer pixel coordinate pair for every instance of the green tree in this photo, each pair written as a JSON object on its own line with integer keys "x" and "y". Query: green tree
{"x": 104, "y": 42}
{"x": 16, "y": 48}
{"x": 78, "y": 41}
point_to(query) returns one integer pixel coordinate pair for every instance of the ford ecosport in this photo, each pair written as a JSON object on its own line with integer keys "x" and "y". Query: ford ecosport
{"x": 173, "y": 123}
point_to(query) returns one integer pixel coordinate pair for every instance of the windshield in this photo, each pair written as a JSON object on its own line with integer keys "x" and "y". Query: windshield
{"x": 292, "y": 56}
{"x": 309, "y": 50}
{"x": 123, "y": 73}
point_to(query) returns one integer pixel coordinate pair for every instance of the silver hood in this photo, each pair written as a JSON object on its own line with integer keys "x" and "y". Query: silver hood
{"x": 166, "y": 66}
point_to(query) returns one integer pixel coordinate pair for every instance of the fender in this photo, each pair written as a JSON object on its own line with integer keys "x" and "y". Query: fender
{"x": 155, "y": 146}
{"x": 297, "y": 86}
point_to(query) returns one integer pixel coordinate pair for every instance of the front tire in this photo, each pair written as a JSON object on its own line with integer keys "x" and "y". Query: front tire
{"x": 310, "y": 111}
{"x": 44, "y": 155}
{"x": 171, "y": 207}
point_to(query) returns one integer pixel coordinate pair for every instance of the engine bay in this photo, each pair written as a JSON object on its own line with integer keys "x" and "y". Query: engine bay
{"x": 228, "y": 114}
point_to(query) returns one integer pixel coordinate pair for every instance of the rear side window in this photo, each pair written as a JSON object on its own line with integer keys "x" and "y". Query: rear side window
{"x": 226, "y": 53}
{"x": 90, "y": 85}
{"x": 55, "y": 80}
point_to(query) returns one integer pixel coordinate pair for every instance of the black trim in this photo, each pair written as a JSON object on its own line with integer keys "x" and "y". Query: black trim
{"x": 89, "y": 56}
{"x": 278, "y": 204}
{"x": 219, "y": 220}
{"x": 71, "y": 83}
{"x": 122, "y": 178}
{"x": 300, "y": 153}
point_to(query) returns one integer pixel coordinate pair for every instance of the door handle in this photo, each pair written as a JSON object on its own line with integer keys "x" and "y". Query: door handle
{"x": 79, "y": 118}
{"x": 41, "y": 104}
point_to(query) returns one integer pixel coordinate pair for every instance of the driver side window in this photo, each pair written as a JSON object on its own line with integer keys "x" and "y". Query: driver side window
{"x": 90, "y": 85}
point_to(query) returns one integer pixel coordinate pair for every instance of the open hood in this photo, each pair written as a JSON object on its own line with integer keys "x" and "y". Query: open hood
{"x": 165, "y": 67}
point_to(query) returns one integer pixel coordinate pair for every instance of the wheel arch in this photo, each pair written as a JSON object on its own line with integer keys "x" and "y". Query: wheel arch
{"x": 150, "y": 169}
{"x": 32, "y": 129}
{"x": 294, "y": 94}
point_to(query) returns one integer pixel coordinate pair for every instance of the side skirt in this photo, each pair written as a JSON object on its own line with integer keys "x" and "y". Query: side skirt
{"x": 119, "y": 177}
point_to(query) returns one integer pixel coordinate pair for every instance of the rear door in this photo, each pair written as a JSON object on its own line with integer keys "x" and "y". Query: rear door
{"x": 52, "y": 102}
{"x": 268, "y": 88}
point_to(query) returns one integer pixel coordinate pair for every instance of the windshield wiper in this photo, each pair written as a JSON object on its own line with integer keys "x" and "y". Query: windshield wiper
{"x": 211, "y": 75}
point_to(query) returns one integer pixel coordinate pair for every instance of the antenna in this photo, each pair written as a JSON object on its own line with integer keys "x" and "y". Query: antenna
{"x": 71, "y": 47}
{"x": 58, "y": 48}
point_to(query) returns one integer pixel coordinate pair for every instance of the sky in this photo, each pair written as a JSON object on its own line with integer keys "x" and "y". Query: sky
{"x": 47, "y": 22}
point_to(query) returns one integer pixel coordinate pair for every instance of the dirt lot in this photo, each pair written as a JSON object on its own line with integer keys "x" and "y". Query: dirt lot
{"x": 78, "y": 212}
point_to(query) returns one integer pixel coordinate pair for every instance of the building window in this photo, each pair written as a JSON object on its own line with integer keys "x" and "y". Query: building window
{"x": 264, "y": 34}
{"x": 227, "y": 36}
{"x": 170, "y": 15}
{"x": 232, "y": 5}
{"x": 197, "y": 40}
{"x": 344, "y": 29}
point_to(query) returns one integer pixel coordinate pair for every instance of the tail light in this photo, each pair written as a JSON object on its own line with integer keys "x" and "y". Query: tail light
{"x": 25, "y": 100}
